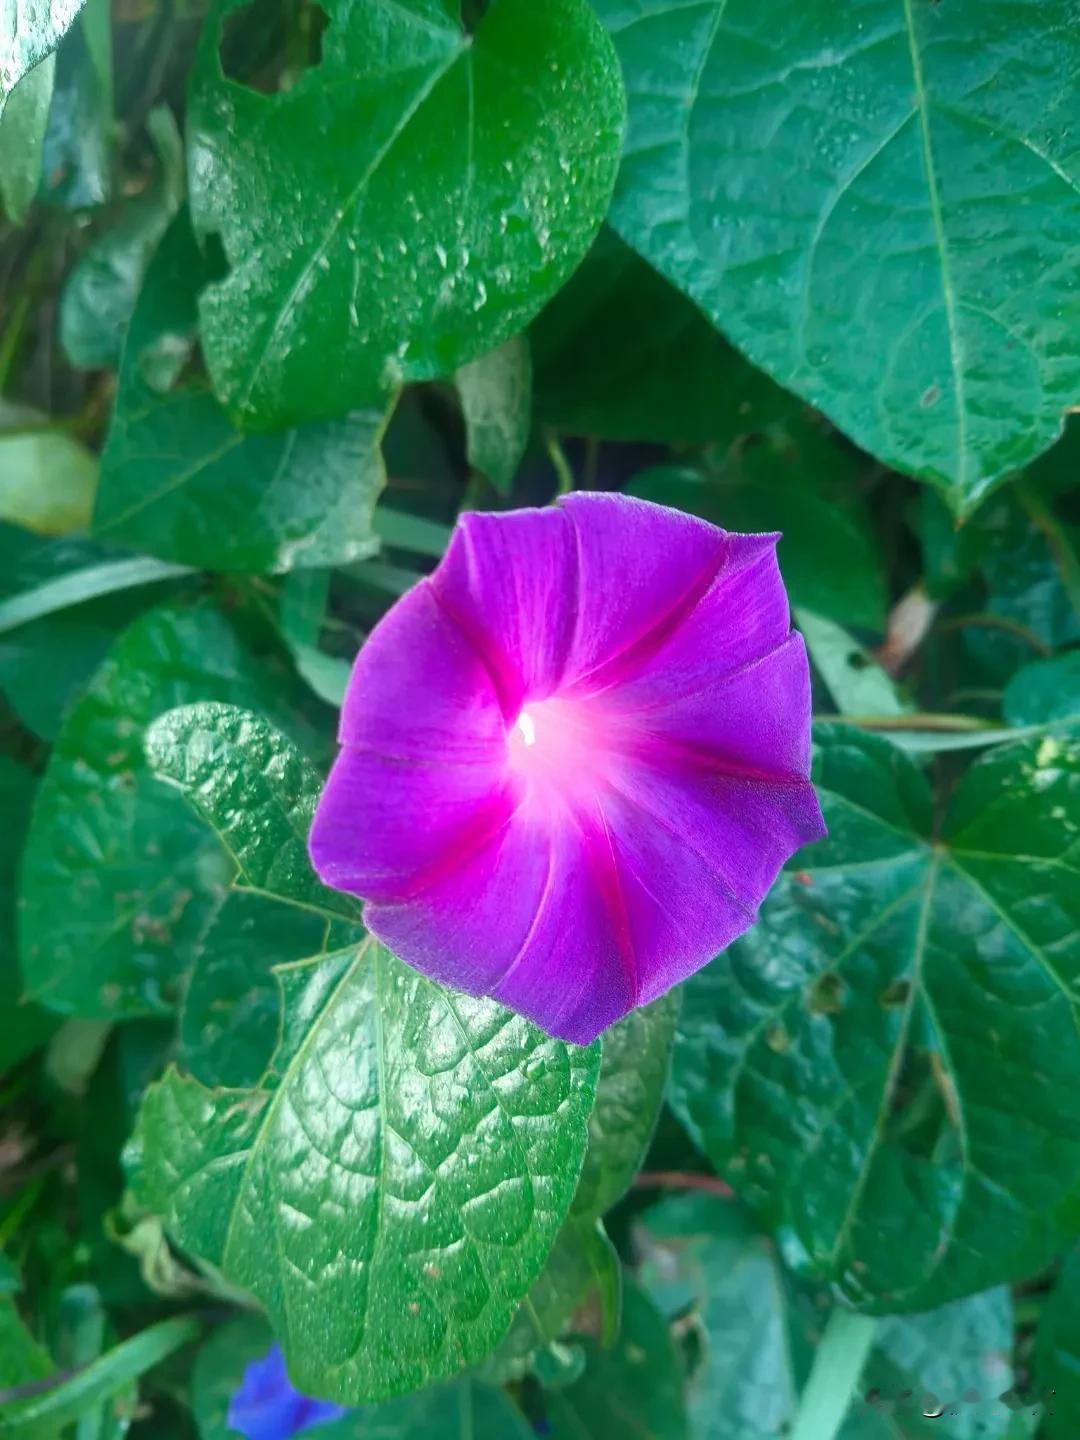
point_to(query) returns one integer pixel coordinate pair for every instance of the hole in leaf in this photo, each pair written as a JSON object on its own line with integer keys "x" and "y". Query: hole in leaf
{"x": 472, "y": 12}
{"x": 825, "y": 995}
{"x": 269, "y": 44}
{"x": 895, "y": 995}
{"x": 215, "y": 263}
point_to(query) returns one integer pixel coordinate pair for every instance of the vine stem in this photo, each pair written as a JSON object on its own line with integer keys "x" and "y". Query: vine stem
{"x": 834, "y": 1378}
{"x": 682, "y": 1180}
{"x": 923, "y": 720}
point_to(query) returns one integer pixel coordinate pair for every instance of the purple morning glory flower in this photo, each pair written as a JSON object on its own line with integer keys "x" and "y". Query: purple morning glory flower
{"x": 574, "y": 758}
{"x": 267, "y": 1407}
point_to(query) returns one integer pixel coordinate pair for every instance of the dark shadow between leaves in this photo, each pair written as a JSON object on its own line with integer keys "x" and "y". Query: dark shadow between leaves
{"x": 269, "y": 44}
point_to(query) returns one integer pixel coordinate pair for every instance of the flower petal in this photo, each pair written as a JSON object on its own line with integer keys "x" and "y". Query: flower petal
{"x": 550, "y": 596}
{"x": 525, "y": 920}
{"x": 755, "y": 719}
{"x": 575, "y": 923}
{"x": 698, "y": 851}
{"x": 740, "y": 618}
{"x": 575, "y": 758}
{"x": 387, "y": 827}
{"x": 419, "y": 689}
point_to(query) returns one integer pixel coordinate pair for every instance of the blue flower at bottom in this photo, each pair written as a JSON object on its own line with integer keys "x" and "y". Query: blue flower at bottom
{"x": 267, "y": 1406}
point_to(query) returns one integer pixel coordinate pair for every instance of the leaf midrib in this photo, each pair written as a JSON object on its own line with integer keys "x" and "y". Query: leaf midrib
{"x": 292, "y": 299}
{"x": 283, "y": 1085}
{"x": 956, "y": 357}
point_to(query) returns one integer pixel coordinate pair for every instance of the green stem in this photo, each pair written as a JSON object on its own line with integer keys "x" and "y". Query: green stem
{"x": 834, "y": 1379}
{"x": 923, "y": 720}
{"x": 563, "y": 473}
{"x": 63, "y": 1399}
{"x": 1057, "y": 537}
{"x": 987, "y": 621}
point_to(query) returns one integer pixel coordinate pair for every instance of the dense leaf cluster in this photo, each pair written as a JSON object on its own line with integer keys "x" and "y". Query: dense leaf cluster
{"x": 286, "y": 287}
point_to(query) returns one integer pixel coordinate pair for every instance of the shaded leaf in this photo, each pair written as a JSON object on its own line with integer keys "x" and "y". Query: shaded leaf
{"x": 629, "y": 1093}
{"x": 302, "y": 612}
{"x": 581, "y": 1271}
{"x": 702, "y": 1257}
{"x": 1057, "y": 1356}
{"x": 464, "y": 1410}
{"x": 635, "y": 1387}
{"x": 756, "y": 1332}
{"x": 679, "y": 381}
{"x": 1044, "y": 691}
{"x": 100, "y": 292}
{"x": 22, "y": 1359}
{"x": 76, "y": 162}
{"x": 105, "y": 1378}
{"x": 230, "y": 1010}
{"x": 799, "y": 481}
{"x": 22, "y": 1027}
{"x": 496, "y": 398}
{"x": 118, "y": 877}
{"x": 179, "y": 481}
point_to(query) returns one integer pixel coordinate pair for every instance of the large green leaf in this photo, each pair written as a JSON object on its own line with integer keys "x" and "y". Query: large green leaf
{"x": 636, "y": 1388}
{"x": 393, "y": 1197}
{"x": 413, "y": 1152}
{"x": 179, "y": 481}
{"x": 27, "y": 34}
{"x": 679, "y": 381}
{"x": 878, "y": 202}
{"x": 376, "y": 238}
{"x": 633, "y": 1074}
{"x": 118, "y": 877}
{"x": 800, "y": 481}
{"x": 884, "y": 1065}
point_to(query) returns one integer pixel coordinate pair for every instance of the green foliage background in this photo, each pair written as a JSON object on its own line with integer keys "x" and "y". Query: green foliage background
{"x": 284, "y": 289}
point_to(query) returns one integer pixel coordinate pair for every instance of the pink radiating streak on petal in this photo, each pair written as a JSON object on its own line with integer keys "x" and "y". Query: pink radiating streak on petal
{"x": 574, "y": 759}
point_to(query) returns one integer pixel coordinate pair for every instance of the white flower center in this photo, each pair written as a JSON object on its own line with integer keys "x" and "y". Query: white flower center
{"x": 527, "y": 725}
